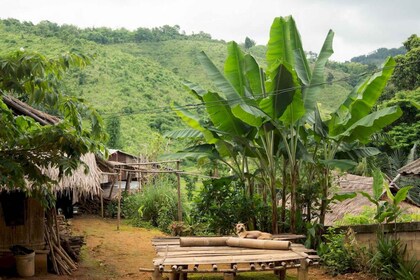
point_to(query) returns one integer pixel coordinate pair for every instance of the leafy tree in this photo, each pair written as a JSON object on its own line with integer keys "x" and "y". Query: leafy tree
{"x": 249, "y": 43}
{"x": 407, "y": 76}
{"x": 26, "y": 147}
{"x": 405, "y": 132}
{"x": 113, "y": 128}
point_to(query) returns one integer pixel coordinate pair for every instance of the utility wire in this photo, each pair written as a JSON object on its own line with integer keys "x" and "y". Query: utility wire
{"x": 210, "y": 104}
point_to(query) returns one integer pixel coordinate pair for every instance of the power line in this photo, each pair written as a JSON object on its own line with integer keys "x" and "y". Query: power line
{"x": 210, "y": 104}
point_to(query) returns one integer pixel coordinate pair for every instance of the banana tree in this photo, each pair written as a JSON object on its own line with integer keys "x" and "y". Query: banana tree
{"x": 351, "y": 126}
{"x": 271, "y": 105}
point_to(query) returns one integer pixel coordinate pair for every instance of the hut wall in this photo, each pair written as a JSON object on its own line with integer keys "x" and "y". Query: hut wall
{"x": 408, "y": 233}
{"x": 30, "y": 234}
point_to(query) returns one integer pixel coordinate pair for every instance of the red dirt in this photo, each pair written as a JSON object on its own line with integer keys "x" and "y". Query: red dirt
{"x": 112, "y": 254}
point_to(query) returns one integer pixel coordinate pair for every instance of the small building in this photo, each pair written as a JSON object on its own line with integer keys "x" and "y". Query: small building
{"x": 22, "y": 218}
{"x": 355, "y": 206}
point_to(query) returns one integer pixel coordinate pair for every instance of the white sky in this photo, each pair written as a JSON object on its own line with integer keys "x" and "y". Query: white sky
{"x": 360, "y": 26}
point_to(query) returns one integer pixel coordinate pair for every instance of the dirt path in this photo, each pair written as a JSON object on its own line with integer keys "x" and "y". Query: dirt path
{"x": 112, "y": 254}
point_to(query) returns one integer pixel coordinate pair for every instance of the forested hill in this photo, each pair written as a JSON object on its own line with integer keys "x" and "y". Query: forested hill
{"x": 378, "y": 56}
{"x": 136, "y": 75}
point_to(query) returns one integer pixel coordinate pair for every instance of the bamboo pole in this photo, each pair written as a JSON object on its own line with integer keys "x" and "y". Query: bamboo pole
{"x": 102, "y": 203}
{"x": 179, "y": 193}
{"x": 119, "y": 201}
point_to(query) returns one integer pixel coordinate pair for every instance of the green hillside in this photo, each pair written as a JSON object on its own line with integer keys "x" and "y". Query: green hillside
{"x": 137, "y": 81}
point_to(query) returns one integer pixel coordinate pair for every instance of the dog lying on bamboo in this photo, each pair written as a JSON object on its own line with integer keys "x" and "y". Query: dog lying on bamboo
{"x": 240, "y": 230}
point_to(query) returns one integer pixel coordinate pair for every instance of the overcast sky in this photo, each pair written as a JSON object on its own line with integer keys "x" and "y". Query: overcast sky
{"x": 360, "y": 26}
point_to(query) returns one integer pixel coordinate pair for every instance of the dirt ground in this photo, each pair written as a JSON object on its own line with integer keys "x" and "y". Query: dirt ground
{"x": 112, "y": 254}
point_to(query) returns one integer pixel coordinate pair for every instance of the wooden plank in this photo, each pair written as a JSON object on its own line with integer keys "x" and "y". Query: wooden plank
{"x": 217, "y": 253}
{"x": 169, "y": 260}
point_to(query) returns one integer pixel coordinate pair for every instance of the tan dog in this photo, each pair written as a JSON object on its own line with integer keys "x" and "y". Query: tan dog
{"x": 240, "y": 230}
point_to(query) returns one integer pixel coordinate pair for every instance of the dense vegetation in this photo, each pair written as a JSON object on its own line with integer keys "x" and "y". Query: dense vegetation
{"x": 135, "y": 75}
{"x": 273, "y": 123}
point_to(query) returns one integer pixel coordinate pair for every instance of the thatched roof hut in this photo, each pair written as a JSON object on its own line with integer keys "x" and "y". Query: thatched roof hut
{"x": 411, "y": 169}
{"x": 81, "y": 183}
{"x": 22, "y": 218}
{"x": 353, "y": 183}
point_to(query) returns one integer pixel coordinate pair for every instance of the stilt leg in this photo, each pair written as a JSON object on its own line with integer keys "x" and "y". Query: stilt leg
{"x": 157, "y": 275}
{"x": 303, "y": 270}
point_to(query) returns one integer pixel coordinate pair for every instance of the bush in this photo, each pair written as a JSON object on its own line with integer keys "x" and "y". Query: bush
{"x": 387, "y": 260}
{"x": 337, "y": 254}
{"x": 156, "y": 205}
{"x": 221, "y": 204}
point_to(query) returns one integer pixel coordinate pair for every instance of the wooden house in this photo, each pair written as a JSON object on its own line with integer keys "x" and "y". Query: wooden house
{"x": 22, "y": 218}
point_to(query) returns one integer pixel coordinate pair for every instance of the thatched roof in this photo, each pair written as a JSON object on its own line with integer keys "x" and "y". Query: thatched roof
{"x": 413, "y": 168}
{"x": 353, "y": 183}
{"x": 81, "y": 183}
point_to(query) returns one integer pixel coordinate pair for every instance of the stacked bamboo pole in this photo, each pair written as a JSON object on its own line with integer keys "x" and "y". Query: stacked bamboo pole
{"x": 61, "y": 261}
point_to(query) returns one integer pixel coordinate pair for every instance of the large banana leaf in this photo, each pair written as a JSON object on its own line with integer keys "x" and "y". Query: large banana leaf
{"x": 253, "y": 74}
{"x": 282, "y": 89}
{"x": 221, "y": 115}
{"x": 355, "y": 152}
{"x": 194, "y": 122}
{"x": 361, "y": 100}
{"x": 226, "y": 88}
{"x": 282, "y": 83}
{"x": 235, "y": 68}
{"x": 342, "y": 164}
{"x": 284, "y": 39}
{"x": 196, "y": 152}
{"x": 187, "y": 133}
{"x": 311, "y": 89}
{"x": 238, "y": 74}
{"x": 374, "y": 122}
{"x": 196, "y": 90}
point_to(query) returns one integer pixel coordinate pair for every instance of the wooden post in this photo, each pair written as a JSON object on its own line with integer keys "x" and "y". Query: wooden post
{"x": 184, "y": 275}
{"x": 179, "y": 193}
{"x": 282, "y": 274}
{"x": 157, "y": 275}
{"x": 112, "y": 186}
{"x": 128, "y": 182}
{"x": 102, "y": 203}
{"x": 174, "y": 275}
{"x": 228, "y": 276}
{"x": 139, "y": 179}
{"x": 303, "y": 270}
{"x": 119, "y": 201}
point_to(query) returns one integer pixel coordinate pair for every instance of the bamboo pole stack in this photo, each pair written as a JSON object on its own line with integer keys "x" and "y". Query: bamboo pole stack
{"x": 61, "y": 261}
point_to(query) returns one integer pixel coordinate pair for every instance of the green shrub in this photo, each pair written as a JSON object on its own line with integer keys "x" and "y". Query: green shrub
{"x": 222, "y": 203}
{"x": 387, "y": 260}
{"x": 156, "y": 205}
{"x": 336, "y": 253}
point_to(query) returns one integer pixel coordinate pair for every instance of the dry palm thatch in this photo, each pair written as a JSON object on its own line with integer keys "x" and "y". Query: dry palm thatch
{"x": 355, "y": 206}
{"x": 413, "y": 168}
{"x": 81, "y": 183}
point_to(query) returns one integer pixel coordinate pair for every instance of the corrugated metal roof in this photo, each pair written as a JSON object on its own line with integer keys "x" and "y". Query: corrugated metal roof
{"x": 413, "y": 168}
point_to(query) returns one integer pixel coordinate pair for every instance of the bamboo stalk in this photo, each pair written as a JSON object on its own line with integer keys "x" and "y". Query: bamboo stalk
{"x": 50, "y": 244}
{"x": 65, "y": 257}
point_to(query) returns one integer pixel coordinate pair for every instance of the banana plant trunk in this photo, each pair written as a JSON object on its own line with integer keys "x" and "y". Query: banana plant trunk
{"x": 293, "y": 201}
{"x": 274, "y": 221}
{"x": 324, "y": 195}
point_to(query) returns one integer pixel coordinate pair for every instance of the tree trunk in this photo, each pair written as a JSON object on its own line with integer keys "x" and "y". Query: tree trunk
{"x": 283, "y": 197}
{"x": 274, "y": 220}
{"x": 293, "y": 202}
{"x": 324, "y": 196}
